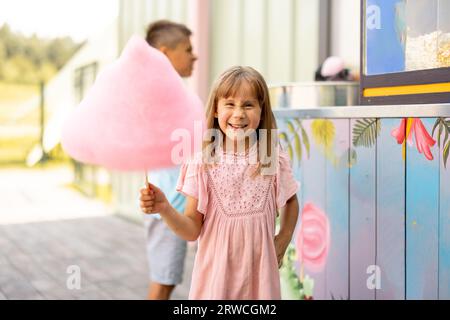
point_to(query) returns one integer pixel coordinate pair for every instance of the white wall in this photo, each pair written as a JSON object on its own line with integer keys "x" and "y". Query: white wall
{"x": 277, "y": 37}
{"x": 345, "y": 31}
{"x": 136, "y": 15}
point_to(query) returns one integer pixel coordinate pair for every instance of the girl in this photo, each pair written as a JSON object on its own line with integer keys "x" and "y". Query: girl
{"x": 232, "y": 203}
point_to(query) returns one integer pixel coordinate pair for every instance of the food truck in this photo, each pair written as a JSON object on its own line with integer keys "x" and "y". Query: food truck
{"x": 374, "y": 171}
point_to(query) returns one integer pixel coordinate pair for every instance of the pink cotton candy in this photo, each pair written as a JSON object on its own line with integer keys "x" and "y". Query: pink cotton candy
{"x": 126, "y": 119}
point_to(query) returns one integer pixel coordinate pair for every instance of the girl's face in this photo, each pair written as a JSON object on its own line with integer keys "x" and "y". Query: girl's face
{"x": 238, "y": 113}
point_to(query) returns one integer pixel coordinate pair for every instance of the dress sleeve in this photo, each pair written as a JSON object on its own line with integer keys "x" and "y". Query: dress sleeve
{"x": 191, "y": 182}
{"x": 286, "y": 185}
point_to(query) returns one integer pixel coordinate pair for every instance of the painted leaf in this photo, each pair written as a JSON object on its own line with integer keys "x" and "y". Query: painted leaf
{"x": 446, "y": 150}
{"x": 323, "y": 132}
{"x": 439, "y": 134}
{"x": 297, "y": 143}
{"x": 438, "y": 121}
{"x": 284, "y": 137}
{"x": 365, "y": 132}
{"x": 446, "y": 135}
{"x": 305, "y": 139}
{"x": 348, "y": 158}
{"x": 443, "y": 126}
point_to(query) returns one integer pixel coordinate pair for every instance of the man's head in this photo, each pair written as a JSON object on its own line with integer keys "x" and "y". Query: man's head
{"x": 173, "y": 39}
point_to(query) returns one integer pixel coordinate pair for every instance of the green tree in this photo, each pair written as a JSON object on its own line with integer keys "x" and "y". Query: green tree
{"x": 36, "y": 50}
{"x": 46, "y": 71}
{"x": 30, "y": 59}
{"x": 2, "y": 58}
{"x": 60, "y": 50}
{"x": 20, "y": 69}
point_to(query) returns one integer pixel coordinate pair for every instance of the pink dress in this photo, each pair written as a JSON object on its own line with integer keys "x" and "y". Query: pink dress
{"x": 236, "y": 256}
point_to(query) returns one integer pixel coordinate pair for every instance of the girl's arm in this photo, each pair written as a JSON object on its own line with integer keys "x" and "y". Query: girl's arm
{"x": 187, "y": 226}
{"x": 288, "y": 222}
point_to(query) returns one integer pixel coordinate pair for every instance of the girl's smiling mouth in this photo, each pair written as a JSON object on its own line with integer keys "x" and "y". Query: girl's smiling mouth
{"x": 237, "y": 126}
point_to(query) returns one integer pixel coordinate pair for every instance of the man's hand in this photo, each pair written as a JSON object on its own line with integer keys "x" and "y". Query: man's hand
{"x": 153, "y": 200}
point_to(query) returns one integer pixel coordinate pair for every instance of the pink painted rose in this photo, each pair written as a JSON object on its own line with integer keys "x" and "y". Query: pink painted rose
{"x": 313, "y": 239}
{"x": 411, "y": 126}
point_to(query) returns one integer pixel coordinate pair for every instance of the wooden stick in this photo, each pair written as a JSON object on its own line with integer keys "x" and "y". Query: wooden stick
{"x": 147, "y": 185}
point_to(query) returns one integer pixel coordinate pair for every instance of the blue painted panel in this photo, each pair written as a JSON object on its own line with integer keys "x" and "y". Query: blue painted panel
{"x": 337, "y": 208}
{"x": 362, "y": 221}
{"x": 313, "y": 184}
{"x": 390, "y": 213}
{"x": 422, "y": 218}
{"x": 444, "y": 230}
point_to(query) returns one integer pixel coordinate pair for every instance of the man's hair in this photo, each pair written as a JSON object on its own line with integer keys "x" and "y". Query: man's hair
{"x": 166, "y": 33}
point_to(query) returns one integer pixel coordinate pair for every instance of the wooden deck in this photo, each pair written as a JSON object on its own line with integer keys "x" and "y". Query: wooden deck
{"x": 110, "y": 252}
{"x": 46, "y": 227}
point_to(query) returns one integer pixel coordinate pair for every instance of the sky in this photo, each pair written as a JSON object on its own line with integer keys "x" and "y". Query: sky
{"x": 52, "y": 18}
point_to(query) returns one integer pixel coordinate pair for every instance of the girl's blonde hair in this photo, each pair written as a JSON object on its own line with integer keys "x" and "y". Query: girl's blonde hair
{"x": 227, "y": 85}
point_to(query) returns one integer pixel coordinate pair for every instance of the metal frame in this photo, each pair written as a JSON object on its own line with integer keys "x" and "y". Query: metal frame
{"x": 429, "y": 76}
{"x": 386, "y": 111}
{"x": 276, "y": 85}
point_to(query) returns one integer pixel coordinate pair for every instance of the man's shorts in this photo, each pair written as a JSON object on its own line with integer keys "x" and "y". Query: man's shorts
{"x": 166, "y": 252}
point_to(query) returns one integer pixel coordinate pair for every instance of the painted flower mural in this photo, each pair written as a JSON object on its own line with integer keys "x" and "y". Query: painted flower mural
{"x": 366, "y": 132}
{"x": 311, "y": 250}
{"x": 311, "y": 257}
{"x": 413, "y": 126}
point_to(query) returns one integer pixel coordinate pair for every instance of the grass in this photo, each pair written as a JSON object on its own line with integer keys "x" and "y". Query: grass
{"x": 12, "y": 99}
{"x": 13, "y": 93}
{"x": 20, "y": 132}
{"x": 15, "y": 150}
{"x": 47, "y": 165}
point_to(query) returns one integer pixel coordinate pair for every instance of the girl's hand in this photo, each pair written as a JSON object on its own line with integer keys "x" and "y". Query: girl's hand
{"x": 153, "y": 200}
{"x": 281, "y": 244}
